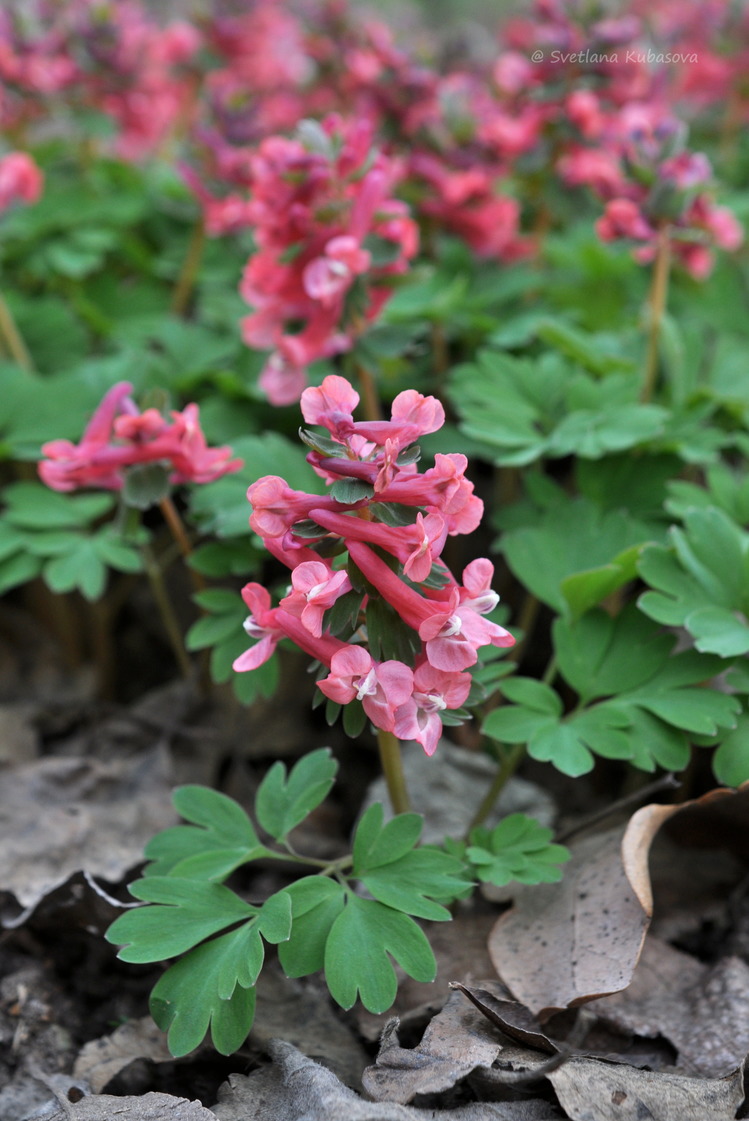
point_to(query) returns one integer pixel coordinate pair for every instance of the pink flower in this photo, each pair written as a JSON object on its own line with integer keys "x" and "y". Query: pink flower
{"x": 260, "y": 624}
{"x": 623, "y": 218}
{"x": 381, "y": 687}
{"x": 416, "y": 546}
{"x": 433, "y": 692}
{"x": 316, "y": 588}
{"x": 20, "y": 179}
{"x": 443, "y": 487}
{"x": 330, "y": 404}
{"x": 276, "y": 507}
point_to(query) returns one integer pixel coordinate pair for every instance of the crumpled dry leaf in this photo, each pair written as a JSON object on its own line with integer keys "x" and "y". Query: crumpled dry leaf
{"x": 591, "y": 1090}
{"x": 146, "y": 1107}
{"x": 303, "y": 1013}
{"x": 297, "y": 1089}
{"x": 456, "y": 1042}
{"x": 62, "y": 815}
{"x": 100, "y": 1060}
{"x": 700, "y": 1009}
{"x": 566, "y": 943}
{"x": 494, "y": 1001}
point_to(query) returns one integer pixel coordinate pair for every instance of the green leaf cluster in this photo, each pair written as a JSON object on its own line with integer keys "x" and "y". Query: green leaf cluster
{"x": 57, "y": 536}
{"x": 320, "y": 922}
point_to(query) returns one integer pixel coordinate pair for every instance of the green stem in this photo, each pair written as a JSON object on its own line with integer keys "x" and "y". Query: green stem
{"x": 168, "y": 616}
{"x": 509, "y": 763}
{"x": 656, "y": 310}
{"x": 179, "y": 533}
{"x": 189, "y": 271}
{"x": 13, "y": 339}
{"x": 370, "y": 397}
{"x": 391, "y": 761}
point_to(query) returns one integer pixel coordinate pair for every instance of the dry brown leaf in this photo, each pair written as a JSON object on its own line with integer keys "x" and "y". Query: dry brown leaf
{"x": 101, "y": 1059}
{"x": 564, "y": 943}
{"x": 297, "y": 1089}
{"x": 62, "y": 815}
{"x": 456, "y": 1042}
{"x": 591, "y": 1090}
{"x": 700, "y": 1009}
{"x": 511, "y": 1017}
{"x": 148, "y": 1107}
{"x": 567, "y": 943}
{"x": 302, "y": 1012}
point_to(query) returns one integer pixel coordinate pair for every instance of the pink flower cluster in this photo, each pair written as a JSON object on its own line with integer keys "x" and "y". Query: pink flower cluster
{"x": 387, "y": 537}
{"x": 113, "y": 57}
{"x": 321, "y": 207}
{"x": 649, "y": 182}
{"x": 119, "y": 436}
{"x": 20, "y": 179}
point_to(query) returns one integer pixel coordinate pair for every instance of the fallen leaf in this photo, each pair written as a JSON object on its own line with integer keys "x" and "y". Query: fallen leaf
{"x": 147, "y": 1107}
{"x": 456, "y": 1042}
{"x": 565, "y": 943}
{"x": 591, "y": 1090}
{"x": 297, "y": 1089}
{"x": 508, "y": 1015}
{"x": 101, "y": 1059}
{"x": 700, "y": 1009}
{"x": 62, "y": 815}
{"x": 303, "y": 1013}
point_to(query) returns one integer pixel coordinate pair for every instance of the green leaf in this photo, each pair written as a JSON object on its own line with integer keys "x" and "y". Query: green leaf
{"x": 584, "y": 590}
{"x": 220, "y": 839}
{"x": 731, "y": 760}
{"x": 146, "y": 484}
{"x": 186, "y": 1000}
{"x": 599, "y": 655}
{"x": 702, "y": 583}
{"x": 34, "y": 506}
{"x": 519, "y": 848}
{"x": 516, "y": 724}
{"x": 349, "y": 491}
{"x": 210, "y": 629}
{"x": 274, "y": 919}
{"x": 408, "y": 883}
{"x": 80, "y": 568}
{"x": 388, "y": 636}
{"x": 357, "y": 949}
{"x": 316, "y": 902}
{"x": 376, "y": 844}
{"x": 559, "y": 744}
{"x": 532, "y": 694}
{"x": 184, "y": 912}
{"x": 574, "y": 536}
{"x": 716, "y": 630}
{"x": 281, "y": 803}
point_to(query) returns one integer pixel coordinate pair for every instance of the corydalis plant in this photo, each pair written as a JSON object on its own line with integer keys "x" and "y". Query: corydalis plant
{"x": 370, "y": 597}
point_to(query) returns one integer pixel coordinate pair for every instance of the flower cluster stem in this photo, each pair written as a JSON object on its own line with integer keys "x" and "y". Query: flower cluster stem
{"x": 391, "y": 761}
{"x": 656, "y": 310}
{"x": 189, "y": 271}
{"x": 179, "y": 533}
{"x": 509, "y": 763}
{"x": 168, "y": 616}
{"x": 13, "y": 339}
